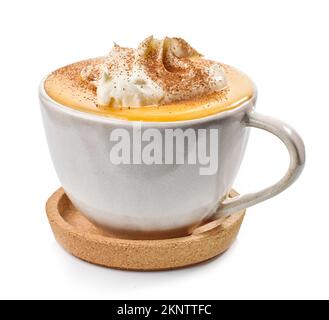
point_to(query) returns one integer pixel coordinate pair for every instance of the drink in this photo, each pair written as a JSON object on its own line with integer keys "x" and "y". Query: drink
{"x": 131, "y": 101}
{"x": 67, "y": 88}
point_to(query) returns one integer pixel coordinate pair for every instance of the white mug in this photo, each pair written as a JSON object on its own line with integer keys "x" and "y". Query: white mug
{"x": 148, "y": 201}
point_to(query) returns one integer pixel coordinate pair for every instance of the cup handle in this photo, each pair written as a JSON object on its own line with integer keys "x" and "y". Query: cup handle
{"x": 296, "y": 150}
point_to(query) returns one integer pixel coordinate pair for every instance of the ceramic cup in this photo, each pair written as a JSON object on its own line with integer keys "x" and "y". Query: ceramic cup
{"x": 147, "y": 201}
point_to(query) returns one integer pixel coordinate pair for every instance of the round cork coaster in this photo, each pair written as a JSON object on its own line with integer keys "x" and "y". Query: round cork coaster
{"x": 84, "y": 240}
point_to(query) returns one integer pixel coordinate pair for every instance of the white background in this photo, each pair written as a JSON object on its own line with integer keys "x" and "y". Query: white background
{"x": 282, "y": 249}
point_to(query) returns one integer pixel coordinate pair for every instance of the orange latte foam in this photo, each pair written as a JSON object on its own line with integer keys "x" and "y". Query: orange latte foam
{"x": 66, "y": 87}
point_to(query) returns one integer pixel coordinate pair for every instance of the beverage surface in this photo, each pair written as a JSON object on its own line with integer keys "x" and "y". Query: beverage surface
{"x": 161, "y": 80}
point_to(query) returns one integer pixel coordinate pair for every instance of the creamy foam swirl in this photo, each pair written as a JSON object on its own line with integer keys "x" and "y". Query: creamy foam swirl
{"x": 157, "y": 72}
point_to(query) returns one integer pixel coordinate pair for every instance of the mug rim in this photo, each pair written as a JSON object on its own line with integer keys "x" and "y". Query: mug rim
{"x": 104, "y": 119}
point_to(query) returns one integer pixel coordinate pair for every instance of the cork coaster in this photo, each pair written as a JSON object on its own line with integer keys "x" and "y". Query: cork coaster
{"x": 82, "y": 239}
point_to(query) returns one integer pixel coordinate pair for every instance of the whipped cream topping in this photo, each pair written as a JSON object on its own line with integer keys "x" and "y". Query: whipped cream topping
{"x": 157, "y": 72}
